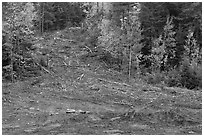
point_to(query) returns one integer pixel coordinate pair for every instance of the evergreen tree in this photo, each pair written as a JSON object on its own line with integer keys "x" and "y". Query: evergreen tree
{"x": 18, "y": 31}
{"x": 165, "y": 47}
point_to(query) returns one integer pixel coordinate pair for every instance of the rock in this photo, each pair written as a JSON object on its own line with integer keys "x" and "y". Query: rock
{"x": 81, "y": 111}
{"x": 70, "y": 111}
{"x": 191, "y": 132}
{"x": 115, "y": 118}
{"x": 32, "y": 108}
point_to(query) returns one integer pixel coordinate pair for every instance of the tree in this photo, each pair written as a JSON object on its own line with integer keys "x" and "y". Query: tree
{"x": 121, "y": 34}
{"x": 58, "y": 15}
{"x": 153, "y": 18}
{"x": 164, "y": 50}
{"x": 133, "y": 36}
{"x": 17, "y": 29}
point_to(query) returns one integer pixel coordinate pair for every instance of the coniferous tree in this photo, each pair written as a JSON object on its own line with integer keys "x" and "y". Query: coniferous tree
{"x": 18, "y": 29}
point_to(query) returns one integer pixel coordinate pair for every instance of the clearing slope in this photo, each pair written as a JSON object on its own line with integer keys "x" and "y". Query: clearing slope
{"x": 73, "y": 97}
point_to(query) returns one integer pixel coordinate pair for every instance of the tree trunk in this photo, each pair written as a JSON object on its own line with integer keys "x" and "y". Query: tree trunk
{"x": 130, "y": 55}
{"x": 42, "y": 18}
{"x": 97, "y": 3}
{"x": 130, "y": 63}
{"x": 12, "y": 72}
{"x": 123, "y": 21}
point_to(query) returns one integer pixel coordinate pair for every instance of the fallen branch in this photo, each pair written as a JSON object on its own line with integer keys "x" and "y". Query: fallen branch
{"x": 112, "y": 71}
{"x": 64, "y": 63}
{"x": 88, "y": 48}
{"x": 97, "y": 68}
{"x": 44, "y": 68}
{"x": 105, "y": 63}
{"x": 79, "y": 78}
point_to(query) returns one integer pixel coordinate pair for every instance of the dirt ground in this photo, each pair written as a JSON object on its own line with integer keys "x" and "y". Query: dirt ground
{"x": 95, "y": 105}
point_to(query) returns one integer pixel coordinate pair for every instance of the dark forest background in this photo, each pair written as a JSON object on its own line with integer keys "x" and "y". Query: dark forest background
{"x": 160, "y": 43}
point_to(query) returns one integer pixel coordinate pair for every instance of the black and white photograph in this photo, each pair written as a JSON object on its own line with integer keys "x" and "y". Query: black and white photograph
{"x": 101, "y": 68}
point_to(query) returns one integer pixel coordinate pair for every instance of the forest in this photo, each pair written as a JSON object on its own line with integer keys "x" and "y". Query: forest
{"x": 102, "y": 68}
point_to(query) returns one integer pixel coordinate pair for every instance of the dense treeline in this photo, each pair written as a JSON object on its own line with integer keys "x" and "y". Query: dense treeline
{"x": 162, "y": 42}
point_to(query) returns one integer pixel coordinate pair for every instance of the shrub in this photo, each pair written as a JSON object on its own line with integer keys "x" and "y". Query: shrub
{"x": 173, "y": 78}
{"x": 156, "y": 77}
{"x": 191, "y": 75}
{"x": 188, "y": 75}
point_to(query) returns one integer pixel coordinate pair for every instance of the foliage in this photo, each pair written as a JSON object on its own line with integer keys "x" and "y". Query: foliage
{"x": 59, "y": 15}
{"x": 160, "y": 40}
{"x": 164, "y": 50}
{"x": 154, "y": 78}
{"x": 18, "y": 31}
{"x": 191, "y": 74}
{"x": 192, "y": 49}
{"x": 18, "y": 21}
{"x": 188, "y": 75}
{"x": 173, "y": 78}
{"x": 122, "y": 41}
{"x": 153, "y": 16}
